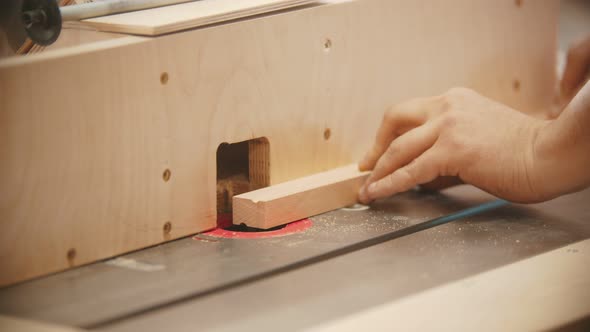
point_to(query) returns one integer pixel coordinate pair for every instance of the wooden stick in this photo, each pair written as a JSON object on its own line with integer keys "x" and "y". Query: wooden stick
{"x": 293, "y": 200}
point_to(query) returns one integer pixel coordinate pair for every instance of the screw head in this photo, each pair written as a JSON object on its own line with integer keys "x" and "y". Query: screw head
{"x": 71, "y": 255}
{"x": 516, "y": 85}
{"x": 327, "y": 44}
{"x": 167, "y": 227}
{"x": 166, "y": 175}
{"x": 164, "y": 78}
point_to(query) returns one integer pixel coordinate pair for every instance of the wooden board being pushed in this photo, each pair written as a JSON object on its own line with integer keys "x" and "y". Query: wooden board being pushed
{"x": 157, "y": 21}
{"x": 294, "y": 200}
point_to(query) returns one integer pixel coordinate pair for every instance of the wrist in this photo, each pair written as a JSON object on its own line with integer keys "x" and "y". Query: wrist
{"x": 558, "y": 165}
{"x": 544, "y": 161}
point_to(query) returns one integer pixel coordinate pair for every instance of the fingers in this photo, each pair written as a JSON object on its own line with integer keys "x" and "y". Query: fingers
{"x": 578, "y": 63}
{"x": 423, "y": 169}
{"x": 404, "y": 149}
{"x": 401, "y": 118}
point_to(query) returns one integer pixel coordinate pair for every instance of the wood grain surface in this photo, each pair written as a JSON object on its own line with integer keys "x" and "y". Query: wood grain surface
{"x": 110, "y": 146}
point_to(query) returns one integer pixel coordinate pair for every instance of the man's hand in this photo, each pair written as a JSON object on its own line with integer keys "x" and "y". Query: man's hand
{"x": 462, "y": 134}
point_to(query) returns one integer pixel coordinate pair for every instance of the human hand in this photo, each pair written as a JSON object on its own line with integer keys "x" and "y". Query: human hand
{"x": 459, "y": 133}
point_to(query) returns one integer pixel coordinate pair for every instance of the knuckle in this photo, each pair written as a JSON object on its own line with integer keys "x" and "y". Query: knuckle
{"x": 407, "y": 174}
{"x": 459, "y": 92}
{"x": 453, "y": 143}
{"x": 440, "y": 105}
{"x": 456, "y": 143}
{"x": 389, "y": 115}
{"x": 448, "y": 102}
{"x": 448, "y": 120}
{"x": 448, "y": 168}
{"x": 394, "y": 149}
{"x": 444, "y": 103}
{"x": 389, "y": 182}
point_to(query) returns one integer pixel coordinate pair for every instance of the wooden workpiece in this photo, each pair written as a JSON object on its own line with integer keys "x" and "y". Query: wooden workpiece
{"x": 110, "y": 146}
{"x": 156, "y": 21}
{"x": 297, "y": 199}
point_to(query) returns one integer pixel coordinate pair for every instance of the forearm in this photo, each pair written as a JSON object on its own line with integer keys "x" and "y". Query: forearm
{"x": 562, "y": 149}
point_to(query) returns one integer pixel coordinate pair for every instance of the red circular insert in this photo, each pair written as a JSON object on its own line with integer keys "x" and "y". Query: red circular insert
{"x": 225, "y": 220}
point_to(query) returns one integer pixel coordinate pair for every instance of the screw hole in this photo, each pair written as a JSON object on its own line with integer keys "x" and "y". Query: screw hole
{"x": 166, "y": 175}
{"x": 516, "y": 85}
{"x": 518, "y": 3}
{"x": 71, "y": 255}
{"x": 167, "y": 227}
{"x": 327, "y": 44}
{"x": 327, "y": 134}
{"x": 164, "y": 78}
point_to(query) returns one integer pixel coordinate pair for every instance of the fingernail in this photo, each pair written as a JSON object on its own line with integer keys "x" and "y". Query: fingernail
{"x": 363, "y": 165}
{"x": 365, "y": 197}
{"x": 362, "y": 194}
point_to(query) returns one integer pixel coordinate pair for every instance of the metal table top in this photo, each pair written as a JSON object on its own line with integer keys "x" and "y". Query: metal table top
{"x": 111, "y": 297}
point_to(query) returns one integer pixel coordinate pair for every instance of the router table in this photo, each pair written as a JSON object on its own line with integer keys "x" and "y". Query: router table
{"x": 207, "y": 282}
{"x": 124, "y": 143}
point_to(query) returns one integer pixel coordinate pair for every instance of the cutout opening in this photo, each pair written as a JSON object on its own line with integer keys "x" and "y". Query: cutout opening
{"x": 241, "y": 167}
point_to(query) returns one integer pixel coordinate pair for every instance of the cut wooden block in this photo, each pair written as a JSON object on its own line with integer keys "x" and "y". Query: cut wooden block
{"x": 157, "y": 21}
{"x": 294, "y": 200}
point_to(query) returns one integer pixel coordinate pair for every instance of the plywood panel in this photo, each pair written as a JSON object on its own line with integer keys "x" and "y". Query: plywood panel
{"x": 103, "y": 168}
{"x": 167, "y": 19}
